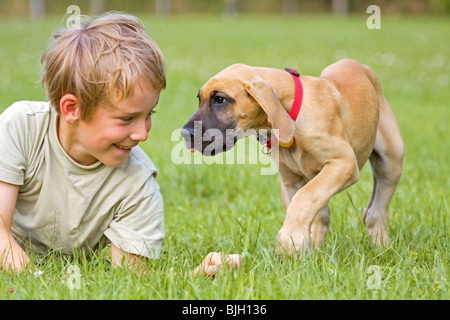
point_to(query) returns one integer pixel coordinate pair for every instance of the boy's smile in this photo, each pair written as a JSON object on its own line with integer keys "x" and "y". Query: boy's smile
{"x": 112, "y": 131}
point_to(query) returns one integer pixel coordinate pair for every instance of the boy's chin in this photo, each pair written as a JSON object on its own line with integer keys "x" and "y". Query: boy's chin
{"x": 113, "y": 163}
{"x": 116, "y": 159}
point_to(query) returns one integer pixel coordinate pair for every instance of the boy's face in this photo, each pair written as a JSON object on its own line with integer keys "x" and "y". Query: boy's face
{"x": 112, "y": 131}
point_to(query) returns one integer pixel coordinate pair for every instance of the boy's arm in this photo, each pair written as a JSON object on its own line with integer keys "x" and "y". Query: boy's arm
{"x": 120, "y": 257}
{"x": 12, "y": 256}
{"x": 211, "y": 265}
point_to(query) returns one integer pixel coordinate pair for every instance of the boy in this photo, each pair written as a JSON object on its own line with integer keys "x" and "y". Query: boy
{"x": 71, "y": 173}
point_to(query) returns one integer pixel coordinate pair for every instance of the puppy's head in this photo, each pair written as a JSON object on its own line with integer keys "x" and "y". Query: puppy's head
{"x": 230, "y": 103}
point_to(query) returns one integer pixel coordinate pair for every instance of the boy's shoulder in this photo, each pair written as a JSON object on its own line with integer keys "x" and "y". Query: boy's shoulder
{"x": 26, "y": 118}
{"x": 29, "y": 107}
{"x": 20, "y": 112}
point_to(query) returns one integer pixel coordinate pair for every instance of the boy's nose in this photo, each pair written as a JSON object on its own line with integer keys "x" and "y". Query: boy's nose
{"x": 140, "y": 131}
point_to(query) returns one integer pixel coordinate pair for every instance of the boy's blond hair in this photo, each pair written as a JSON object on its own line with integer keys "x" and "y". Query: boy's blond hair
{"x": 101, "y": 61}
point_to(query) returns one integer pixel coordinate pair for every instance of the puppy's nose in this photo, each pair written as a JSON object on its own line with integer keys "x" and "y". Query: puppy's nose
{"x": 187, "y": 132}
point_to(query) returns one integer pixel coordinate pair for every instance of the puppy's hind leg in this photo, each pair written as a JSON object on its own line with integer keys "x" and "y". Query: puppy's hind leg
{"x": 386, "y": 161}
{"x": 319, "y": 227}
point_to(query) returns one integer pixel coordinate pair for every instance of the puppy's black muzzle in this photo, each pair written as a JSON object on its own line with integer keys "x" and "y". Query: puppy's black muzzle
{"x": 188, "y": 133}
{"x": 197, "y": 140}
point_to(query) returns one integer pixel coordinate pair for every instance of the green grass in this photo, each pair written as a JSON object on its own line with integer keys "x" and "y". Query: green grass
{"x": 233, "y": 208}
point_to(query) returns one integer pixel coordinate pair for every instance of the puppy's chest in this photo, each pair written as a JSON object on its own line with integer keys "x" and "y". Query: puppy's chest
{"x": 295, "y": 164}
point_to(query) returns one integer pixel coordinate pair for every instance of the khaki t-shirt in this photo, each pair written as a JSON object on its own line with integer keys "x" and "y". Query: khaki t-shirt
{"x": 63, "y": 205}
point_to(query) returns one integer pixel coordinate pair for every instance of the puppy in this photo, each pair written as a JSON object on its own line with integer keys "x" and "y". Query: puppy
{"x": 343, "y": 121}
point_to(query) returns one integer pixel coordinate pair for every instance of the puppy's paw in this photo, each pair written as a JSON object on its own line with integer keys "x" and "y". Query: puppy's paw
{"x": 293, "y": 243}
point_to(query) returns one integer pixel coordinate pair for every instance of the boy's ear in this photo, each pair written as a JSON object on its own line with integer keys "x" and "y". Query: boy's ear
{"x": 70, "y": 108}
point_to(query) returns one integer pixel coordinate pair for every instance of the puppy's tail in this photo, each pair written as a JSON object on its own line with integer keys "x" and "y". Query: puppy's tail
{"x": 373, "y": 79}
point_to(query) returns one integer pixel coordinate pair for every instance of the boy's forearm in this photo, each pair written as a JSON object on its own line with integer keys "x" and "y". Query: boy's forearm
{"x": 12, "y": 256}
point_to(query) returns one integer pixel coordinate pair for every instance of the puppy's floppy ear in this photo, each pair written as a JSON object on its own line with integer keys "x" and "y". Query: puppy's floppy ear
{"x": 267, "y": 98}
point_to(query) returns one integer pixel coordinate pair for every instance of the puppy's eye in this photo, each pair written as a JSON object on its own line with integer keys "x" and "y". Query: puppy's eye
{"x": 219, "y": 100}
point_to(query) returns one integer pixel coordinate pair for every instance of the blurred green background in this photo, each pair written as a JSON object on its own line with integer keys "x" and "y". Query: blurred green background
{"x": 229, "y": 7}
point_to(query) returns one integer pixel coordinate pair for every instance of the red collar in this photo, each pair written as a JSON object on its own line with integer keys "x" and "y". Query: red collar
{"x": 295, "y": 106}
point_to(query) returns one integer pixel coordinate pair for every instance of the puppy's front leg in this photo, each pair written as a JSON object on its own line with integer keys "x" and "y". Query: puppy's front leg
{"x": 294, "y": 238}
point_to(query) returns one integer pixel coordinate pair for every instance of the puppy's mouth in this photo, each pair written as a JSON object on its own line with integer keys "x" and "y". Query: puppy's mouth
{"x": 212, "y": 139}
{"x": 212, "y": 150}
{"x": 216, "y": 144}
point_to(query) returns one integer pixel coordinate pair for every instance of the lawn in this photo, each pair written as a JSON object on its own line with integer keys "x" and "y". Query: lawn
{"x": 233, "y": 207}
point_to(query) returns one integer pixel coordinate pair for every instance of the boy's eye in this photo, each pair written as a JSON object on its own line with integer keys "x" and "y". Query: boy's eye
{"x": 150, "y": 114}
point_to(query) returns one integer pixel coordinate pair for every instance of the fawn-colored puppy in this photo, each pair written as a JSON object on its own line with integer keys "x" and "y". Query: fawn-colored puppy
{"x": 344, "y": 120}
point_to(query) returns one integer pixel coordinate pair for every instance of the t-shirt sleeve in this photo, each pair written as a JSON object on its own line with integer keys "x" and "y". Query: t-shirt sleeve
{"x": 12, "y": 145}
{"x": 138, "y": 225}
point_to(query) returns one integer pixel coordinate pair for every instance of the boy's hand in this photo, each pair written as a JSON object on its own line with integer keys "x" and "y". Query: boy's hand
{"x": 214, "y": 261}
{"x": 12, "y": 256}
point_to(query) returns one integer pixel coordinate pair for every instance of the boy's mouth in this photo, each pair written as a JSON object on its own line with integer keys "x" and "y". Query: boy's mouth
{"x": 122, "y": 147}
